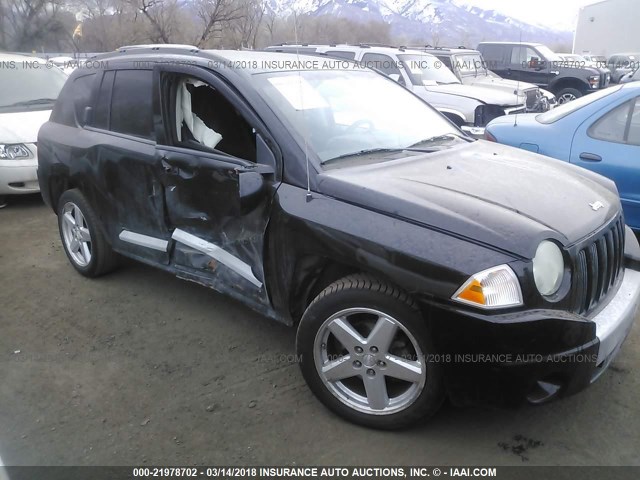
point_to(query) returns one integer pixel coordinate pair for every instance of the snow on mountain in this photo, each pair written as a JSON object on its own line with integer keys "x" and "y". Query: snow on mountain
{"x": 443, "y": 22}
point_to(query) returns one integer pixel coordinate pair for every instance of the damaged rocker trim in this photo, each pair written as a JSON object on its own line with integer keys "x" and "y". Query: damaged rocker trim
{"x": 217, "y": 253}
{"x": 143, "y": 240}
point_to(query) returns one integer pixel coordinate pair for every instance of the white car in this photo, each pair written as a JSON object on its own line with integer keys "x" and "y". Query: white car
{"x": 66, "y": 64}
{"x": 30, "y": 87}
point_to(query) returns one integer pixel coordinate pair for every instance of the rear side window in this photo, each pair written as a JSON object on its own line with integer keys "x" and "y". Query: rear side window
{"x": 342, "y": 54}
{"x": 74, "y": 97}
{"x": 612, "y": 127}
{"x": 381, "y": 62}
{"x": 494, "y": 54}
{"x": 101, "y": 113}
{"x": 447, "y": 62}
{"x": 131, "y": 106}
{"x": 82, "y": 89}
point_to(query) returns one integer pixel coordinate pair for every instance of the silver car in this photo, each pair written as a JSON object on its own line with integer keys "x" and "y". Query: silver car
{"x": 472, "y": 69}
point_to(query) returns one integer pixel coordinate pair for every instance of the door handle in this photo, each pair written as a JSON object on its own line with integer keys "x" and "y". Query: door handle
{"x": 590, "y": 157}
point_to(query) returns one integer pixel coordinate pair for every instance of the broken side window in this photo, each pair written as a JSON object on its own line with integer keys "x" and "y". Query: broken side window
{"x": 202, "y": 114}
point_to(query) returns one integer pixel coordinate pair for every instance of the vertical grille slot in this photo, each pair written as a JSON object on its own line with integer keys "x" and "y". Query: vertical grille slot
{"x": 610, "y": 255}
{"x": 580, "y": 283}
{"x": 602, "y": 267}
{"x": 531, "y": 98}
{"x": 597, "y": 267}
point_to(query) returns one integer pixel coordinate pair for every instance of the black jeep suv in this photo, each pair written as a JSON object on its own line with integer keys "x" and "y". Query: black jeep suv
{"x": 416, "y": 262}
{"x": 535, "y": 63}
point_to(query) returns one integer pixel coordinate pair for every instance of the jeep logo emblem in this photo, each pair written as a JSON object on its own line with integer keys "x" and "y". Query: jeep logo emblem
{"x": 597, "y": 205}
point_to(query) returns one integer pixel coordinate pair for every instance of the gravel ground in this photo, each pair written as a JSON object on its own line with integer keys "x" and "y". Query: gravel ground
{"x": 139, "y": 367}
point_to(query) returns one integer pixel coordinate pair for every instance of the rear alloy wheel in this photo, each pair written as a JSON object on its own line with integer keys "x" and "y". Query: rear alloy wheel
{"x": 368, "y": 363}
{"x": 83, "y": 241}
{"x": 567, "y": 95}
{"x": 75, "y": 234}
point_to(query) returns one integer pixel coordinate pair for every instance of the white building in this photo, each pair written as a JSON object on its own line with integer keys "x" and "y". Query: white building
{"x": 608, "y": 27}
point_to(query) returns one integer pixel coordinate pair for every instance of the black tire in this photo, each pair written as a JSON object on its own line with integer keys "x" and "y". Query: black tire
{"x": 103, "y": 258}
{"x": 568, "y": 92}
{"x": 356, "y": 291}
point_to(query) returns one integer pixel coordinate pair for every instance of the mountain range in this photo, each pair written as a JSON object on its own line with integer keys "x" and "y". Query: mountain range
{"x": 435, "y": 22}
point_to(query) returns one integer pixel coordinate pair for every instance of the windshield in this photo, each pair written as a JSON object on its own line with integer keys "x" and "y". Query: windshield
{"x": 427, "y": 69}
{"x": 574, "y": 57}
{"x": 472, "y": 64}
{"x": 342, "y": 113}
{"x": 29, "y": 84}
{"x": 565, "y": 109}
{"x": 548, "y": 54}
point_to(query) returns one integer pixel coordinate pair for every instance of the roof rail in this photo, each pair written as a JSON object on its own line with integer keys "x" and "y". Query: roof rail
{"x": 157, "y": 47}
{"x": 431, "y": 47}
{"x": 369, "y": 45}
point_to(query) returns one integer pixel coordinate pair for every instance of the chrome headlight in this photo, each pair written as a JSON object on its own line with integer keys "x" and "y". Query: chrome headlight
{"x": 496, "y": 287}
{"x": 15, "y": 151}
{"x": 548, "y": 268}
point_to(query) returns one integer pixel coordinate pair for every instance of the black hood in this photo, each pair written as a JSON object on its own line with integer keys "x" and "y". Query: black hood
{"x": 500, "y": 196}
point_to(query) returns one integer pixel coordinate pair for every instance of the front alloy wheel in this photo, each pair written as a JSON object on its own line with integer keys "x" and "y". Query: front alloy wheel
{"x": 363, "y": 346}
{"x": 379, "y": 371}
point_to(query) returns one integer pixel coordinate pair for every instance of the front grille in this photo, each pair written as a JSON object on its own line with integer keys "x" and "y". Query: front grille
{"x": 597, "y": 267}
{"x": 532, "y": 98}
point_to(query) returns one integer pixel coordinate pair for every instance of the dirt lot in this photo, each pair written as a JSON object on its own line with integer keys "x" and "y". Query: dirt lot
{"x": 139, "y": 366}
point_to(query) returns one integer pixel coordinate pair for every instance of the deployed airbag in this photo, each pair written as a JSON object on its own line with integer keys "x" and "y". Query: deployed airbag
{"x": 184, "y": 114}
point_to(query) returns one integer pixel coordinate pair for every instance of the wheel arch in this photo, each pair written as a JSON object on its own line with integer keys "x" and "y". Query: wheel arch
{"x": 58, "y": 184}
{"x": 563, "y": 83}
{"x": 313, "y": 274}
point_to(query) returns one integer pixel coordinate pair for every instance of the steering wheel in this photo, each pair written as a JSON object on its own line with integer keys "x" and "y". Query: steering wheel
{"x": 359, "y": 124}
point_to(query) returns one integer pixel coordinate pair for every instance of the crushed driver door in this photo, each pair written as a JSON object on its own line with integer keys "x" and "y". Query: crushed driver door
{"x": 217, "y": 205}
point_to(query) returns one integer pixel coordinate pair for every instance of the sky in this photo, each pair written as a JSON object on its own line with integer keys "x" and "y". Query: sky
{"x": 553, "y": 13}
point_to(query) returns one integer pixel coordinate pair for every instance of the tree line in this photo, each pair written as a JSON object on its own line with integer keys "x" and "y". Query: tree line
{"x": 104, "y": 25}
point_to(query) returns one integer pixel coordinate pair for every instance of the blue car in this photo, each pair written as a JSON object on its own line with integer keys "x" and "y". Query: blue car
{"x": 599, "y": 132}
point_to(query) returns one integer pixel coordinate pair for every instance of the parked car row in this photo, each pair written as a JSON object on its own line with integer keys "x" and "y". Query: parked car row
{"x": 619, "y": 64}
{"x": 417, "y": 262}
{"x": 470, "y": 104}
{"x": 622, "y": 64}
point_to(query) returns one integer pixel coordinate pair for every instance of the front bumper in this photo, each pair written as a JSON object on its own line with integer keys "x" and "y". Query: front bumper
{"x": 19, "y": 176}
{"x": 533, "y": 355}
{"x": 614, "y": 322}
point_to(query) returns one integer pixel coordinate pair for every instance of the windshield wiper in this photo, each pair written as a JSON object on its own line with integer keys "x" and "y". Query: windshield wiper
{"x": 438, "y": 138}
{"x": 35, "y": 101}
{"x": 362, "y": 152}
{"x": 410, "y": 148}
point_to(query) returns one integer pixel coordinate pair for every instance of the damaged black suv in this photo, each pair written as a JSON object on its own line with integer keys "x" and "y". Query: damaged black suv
{"x": 417, "y": 262}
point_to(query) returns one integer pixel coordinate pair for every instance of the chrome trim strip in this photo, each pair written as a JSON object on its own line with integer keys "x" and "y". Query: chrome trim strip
{"x": 143, "y": 240}
{"x": 234, "y": 263}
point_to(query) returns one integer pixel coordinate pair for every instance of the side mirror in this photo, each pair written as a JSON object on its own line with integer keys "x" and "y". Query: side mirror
{"x": 252, "y": 186}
